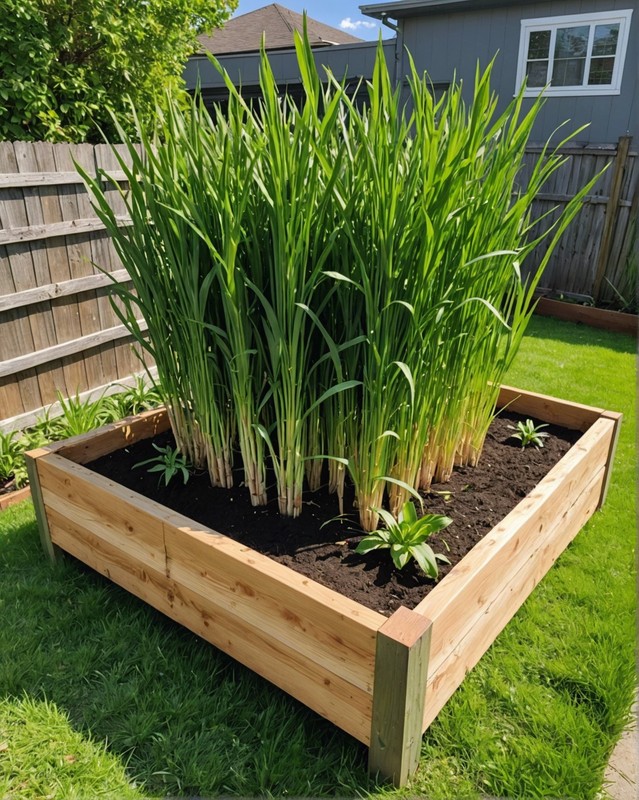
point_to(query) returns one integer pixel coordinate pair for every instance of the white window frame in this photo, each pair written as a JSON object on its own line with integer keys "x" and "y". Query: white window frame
{"x": 529, "y": 26}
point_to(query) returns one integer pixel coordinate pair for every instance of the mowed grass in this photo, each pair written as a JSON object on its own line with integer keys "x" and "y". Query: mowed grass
{"x": 100, "y": 696}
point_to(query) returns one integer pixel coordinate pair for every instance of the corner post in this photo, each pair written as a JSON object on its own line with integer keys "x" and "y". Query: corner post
{"x": 399, "y": 691}
{"x": 49, "y": 548}
{"x": 616, "y": 419}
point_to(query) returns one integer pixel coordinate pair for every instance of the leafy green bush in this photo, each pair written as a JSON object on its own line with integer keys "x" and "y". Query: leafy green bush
{"x": 65, "y": 66}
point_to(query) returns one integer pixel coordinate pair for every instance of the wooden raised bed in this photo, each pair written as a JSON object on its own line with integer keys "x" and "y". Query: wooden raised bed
{"x": 602, "y": 318}
{"x": 383, "y": 680}
{"x": 11, "y": 498}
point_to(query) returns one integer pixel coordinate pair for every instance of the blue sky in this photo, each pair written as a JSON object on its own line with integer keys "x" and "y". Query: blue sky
{"x": 344, "y": 14}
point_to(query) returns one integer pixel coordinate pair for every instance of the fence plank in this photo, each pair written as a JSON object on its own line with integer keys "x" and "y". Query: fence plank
{"x": 32, "y": 233}
{"x": 35, "y": 179}
{"x": 17, "y": 335}
{"x": 65, "y": 309}
{"x": 51, "y": 290}
{"x": 30, "y": 360}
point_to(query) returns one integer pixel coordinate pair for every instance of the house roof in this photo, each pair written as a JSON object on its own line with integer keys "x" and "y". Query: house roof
{"x": 244, "y": 33}
{"x": 412, "y": 8}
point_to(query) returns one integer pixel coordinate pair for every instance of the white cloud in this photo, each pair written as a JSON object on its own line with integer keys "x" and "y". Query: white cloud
{"x": 352, "y": 25}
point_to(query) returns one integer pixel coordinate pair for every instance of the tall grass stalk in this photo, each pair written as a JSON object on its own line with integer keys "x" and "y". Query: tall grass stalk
{"x": 333, "y": 281}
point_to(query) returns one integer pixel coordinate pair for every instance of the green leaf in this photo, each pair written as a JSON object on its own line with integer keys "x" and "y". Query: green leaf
{"x": 372, "y": 542}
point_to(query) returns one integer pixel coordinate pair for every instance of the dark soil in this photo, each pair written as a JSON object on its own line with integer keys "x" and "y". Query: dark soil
{"x": 476, "y": 499}
{"x": 7, "y": 486}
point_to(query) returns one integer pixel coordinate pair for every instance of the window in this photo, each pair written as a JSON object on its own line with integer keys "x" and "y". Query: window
{"x": 573, "y": 55}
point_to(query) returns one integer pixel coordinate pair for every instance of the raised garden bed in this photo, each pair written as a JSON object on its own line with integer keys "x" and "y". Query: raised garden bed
{"x": 13, "y": 496}
{"x": 602, "y": 318}
{"x": 383, "y": 680}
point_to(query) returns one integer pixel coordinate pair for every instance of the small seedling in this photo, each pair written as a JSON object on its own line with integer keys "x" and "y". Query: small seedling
{"x": 406, "y": 538}
{"x": 528, "y": 433}
{"x": 170, "y": 462}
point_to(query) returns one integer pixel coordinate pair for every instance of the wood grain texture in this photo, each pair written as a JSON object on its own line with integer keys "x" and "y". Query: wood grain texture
{"x": 322, "y": 625}
{"x": 35, "y": 179}
{"x": 401, "y": 669}
{"x": 123, "y": 518}
{"x": 39, "y": 305}
{"x": 82, "y": 344}
{"x": 39, "y": 507}
{"x": 75, "y": 227}
{"x": 317, "y": 688}
{"x": 474, "y": 583}
{"x": 616, "y": 419}
{"x": 51, "y": 290}
{"x": 607, "y": 237}
{"x": 17, "y": 496}
{"x": 588, "y": 315}
{"x": 449, "y": 673}
{"x": 89, "y": 446}
{"x": 549, "y": 409}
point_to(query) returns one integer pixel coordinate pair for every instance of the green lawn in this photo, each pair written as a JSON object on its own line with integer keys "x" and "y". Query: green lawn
{"x": 100, "y": 696}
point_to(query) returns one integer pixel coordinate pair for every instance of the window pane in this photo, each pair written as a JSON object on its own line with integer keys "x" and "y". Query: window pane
{"x": 539, "y": 44}
{"x": 537, "y": 73}
{"x": 568, "y": 72}
{"x": 601, "y": 71}
{"x": 605, "y": 41}
{"x": 572, "y": 42}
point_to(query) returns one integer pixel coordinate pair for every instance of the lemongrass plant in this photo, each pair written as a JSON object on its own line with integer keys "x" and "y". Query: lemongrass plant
{"x": 330, "y": 282}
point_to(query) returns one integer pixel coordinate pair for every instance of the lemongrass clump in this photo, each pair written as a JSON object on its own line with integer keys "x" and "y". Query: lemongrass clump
{"x": 325, "y": 283}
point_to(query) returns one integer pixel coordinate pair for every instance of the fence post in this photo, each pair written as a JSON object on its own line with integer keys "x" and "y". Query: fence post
{"x": 612, "y": 207}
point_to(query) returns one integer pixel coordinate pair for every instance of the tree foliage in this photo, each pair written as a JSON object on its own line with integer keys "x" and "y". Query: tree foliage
{"x": 67, "y": 65}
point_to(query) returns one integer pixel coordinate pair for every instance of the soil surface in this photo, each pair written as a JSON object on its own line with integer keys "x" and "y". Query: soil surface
{"x": 476, "y": 498}
{"x": 7, "y": 486}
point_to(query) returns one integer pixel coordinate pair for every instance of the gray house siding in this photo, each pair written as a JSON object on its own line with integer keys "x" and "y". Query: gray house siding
{"x": 442, "y": 44}
{"x": 352, "y": 61}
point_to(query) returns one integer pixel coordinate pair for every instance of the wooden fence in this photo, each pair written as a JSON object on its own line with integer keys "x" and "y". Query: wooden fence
{"x": 58, "y": 331}
{"x": 594, "y": 254}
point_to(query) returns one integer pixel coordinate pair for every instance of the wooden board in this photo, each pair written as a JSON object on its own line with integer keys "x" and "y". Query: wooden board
{"x": 123, "y": 518}
{"x": 89, "y": 446}
{"x": 401, "y": 669}
{"x": 588, "y": 315}
{"x": 281, "y": 665}
{"x": 449, "y": 673}
{"x": 473, "y": 584}
{"x": 548, "y": 409}
{"x": 317, "y": 644}
{"x": 11, "y": 498}
{"x": 321, "y": 624}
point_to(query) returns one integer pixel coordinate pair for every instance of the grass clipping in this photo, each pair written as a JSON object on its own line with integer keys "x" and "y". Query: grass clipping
{"x": 333, "y": 287}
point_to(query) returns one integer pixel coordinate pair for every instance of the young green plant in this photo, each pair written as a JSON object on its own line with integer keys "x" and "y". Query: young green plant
{"x": 529, "y": 434}
{"x": 406, "y": 538}
{"x": 169, "y": 463}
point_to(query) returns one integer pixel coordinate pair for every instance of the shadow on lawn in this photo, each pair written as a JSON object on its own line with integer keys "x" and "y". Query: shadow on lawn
{"x": 186, "y": 719}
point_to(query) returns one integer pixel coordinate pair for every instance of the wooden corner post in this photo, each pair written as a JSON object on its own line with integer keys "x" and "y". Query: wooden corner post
{"x": 50, "y": 549}
{"x": 399, "y": 690}
{"x": 616, "y": 420}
